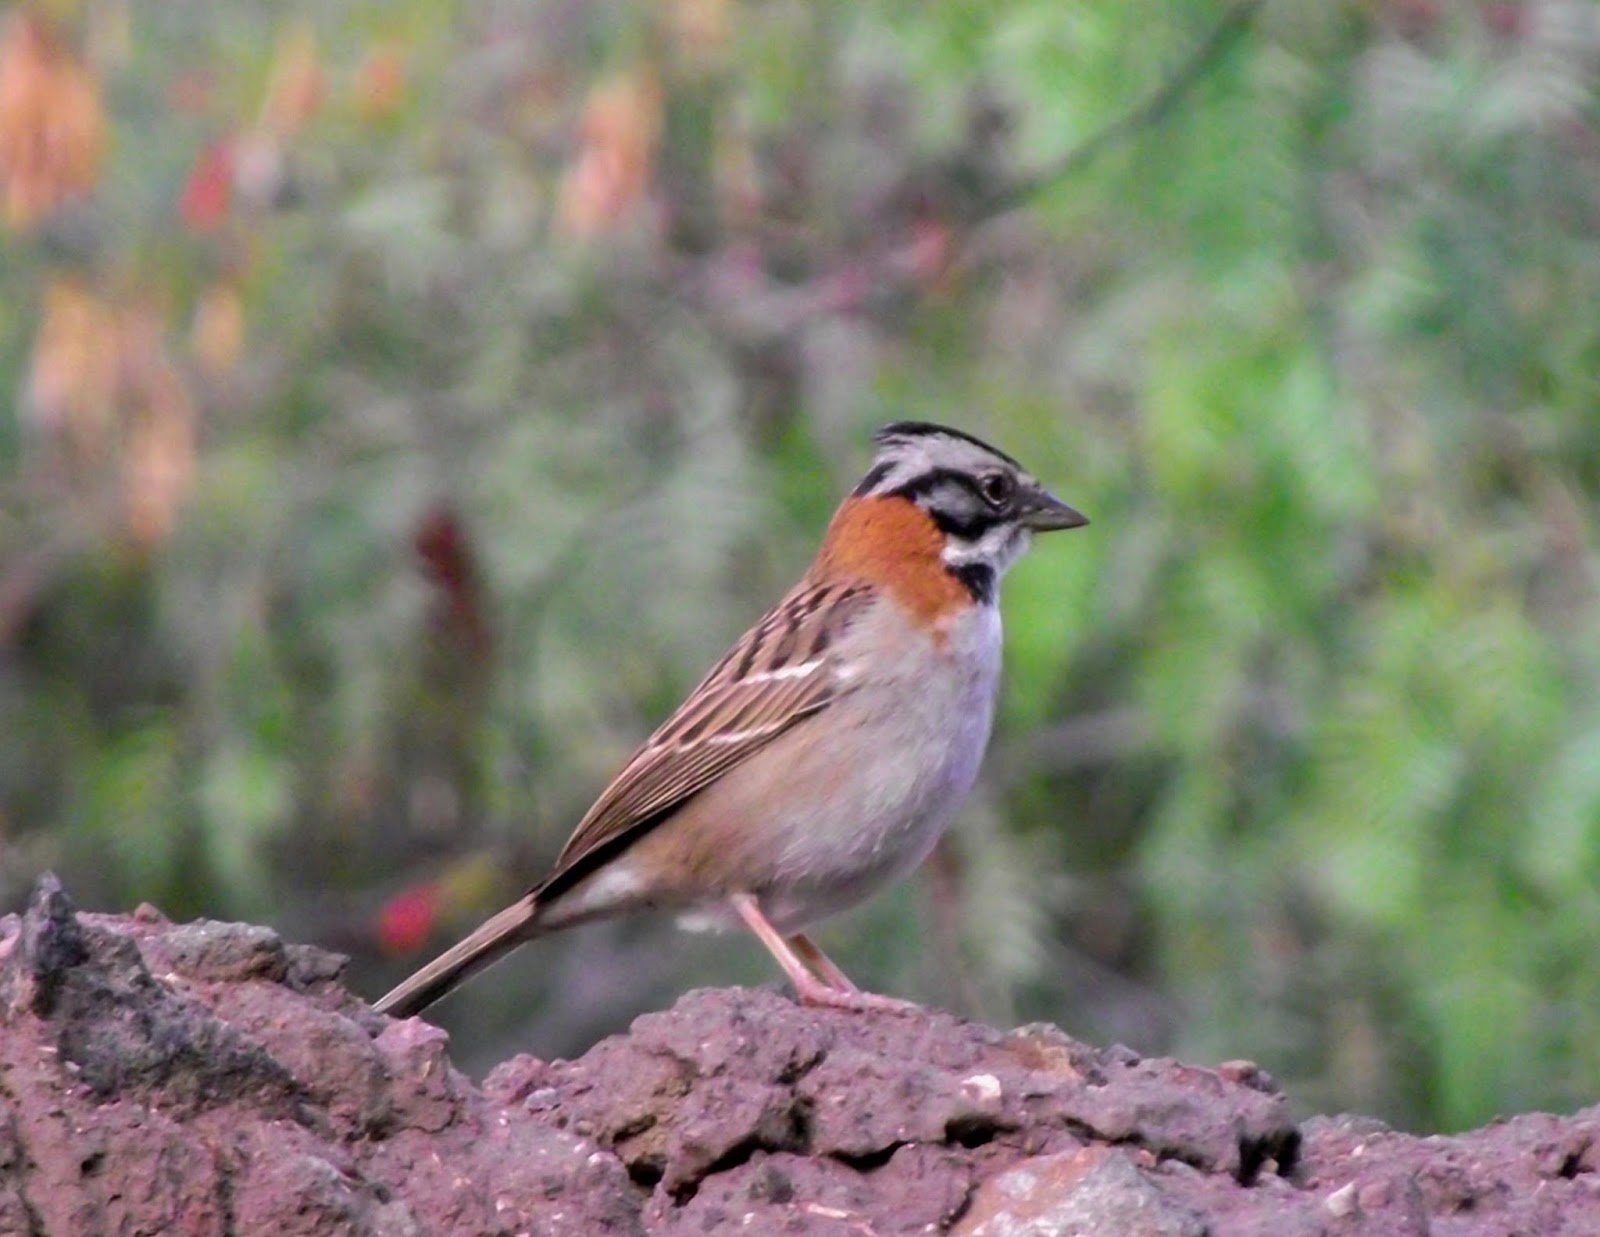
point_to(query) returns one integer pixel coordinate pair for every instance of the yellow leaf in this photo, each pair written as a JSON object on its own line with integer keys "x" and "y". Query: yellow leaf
{"x": 296, "y": 86}
{"x": 216, "y": 335}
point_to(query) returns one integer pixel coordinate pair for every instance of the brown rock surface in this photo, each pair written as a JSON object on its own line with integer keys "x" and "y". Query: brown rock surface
{"x": 208, "y": 1078}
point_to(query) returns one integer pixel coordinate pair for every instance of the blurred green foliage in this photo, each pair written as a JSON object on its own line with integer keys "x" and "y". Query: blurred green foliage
{"x": 412, "y": 398}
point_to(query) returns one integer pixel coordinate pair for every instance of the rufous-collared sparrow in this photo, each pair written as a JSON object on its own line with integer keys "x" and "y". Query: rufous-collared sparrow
{"x": 822, "y": 757}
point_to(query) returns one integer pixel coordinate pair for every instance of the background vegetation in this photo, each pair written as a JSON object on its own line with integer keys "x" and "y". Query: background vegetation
{"x": 409, "y": 399}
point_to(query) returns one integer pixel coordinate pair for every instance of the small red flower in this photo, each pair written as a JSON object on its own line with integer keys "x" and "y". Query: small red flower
{"x": 407, "y": 920}
{"x": 208, "y": 193}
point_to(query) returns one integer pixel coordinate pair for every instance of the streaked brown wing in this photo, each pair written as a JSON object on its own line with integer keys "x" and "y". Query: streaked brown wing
{"x": 782, "y": 671}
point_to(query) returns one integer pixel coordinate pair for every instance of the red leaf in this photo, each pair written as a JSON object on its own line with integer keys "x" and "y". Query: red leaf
{"x": 208, "y": 193}
{"x": 441, "y": 543}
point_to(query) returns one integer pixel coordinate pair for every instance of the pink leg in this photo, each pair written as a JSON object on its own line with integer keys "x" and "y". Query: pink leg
{"x": 810, "y": 989}
{"x": 819, "y": 962}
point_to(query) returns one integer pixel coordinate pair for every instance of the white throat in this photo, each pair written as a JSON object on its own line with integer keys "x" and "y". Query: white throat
{"x": 998, "y": 548}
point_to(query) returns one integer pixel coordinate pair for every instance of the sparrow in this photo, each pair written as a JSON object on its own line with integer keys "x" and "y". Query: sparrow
{"x": 823, "y": 756}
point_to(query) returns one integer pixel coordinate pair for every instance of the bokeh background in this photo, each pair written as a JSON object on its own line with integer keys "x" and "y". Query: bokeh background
{"x": 406, "y": 401}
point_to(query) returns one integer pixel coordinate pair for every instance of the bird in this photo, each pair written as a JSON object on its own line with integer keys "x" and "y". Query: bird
{"x": 823, "y": 756}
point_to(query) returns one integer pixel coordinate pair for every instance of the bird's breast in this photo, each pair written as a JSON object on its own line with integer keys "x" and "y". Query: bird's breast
{"x": 889, "y": 765}
{"x": 853, "y": 798}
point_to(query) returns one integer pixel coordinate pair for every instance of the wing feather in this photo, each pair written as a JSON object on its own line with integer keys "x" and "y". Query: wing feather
{"x": 783, "y": 670}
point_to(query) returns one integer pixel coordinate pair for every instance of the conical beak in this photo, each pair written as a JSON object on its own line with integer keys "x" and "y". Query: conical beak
{"x": 1043, "y": 512}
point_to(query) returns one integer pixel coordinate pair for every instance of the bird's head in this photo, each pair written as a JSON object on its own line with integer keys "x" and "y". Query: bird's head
{"x": 986, "y": 505}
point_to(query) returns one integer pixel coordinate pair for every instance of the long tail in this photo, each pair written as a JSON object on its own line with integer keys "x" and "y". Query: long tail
{"x": 493, "y": 939}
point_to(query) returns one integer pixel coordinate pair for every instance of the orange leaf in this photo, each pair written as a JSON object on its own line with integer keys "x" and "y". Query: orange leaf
{"x": 158, "y": 448}
{"x": 621, "y": 126}
{"x": 380, "y": 82}
{"x": 73, "y": 378}
{"x": 217, "y": 334}
{"x": 52, "y": 126}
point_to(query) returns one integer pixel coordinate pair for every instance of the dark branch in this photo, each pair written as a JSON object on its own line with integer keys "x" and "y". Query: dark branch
{"x": 1148, "y": 114}
{"x": 759, "y": 309}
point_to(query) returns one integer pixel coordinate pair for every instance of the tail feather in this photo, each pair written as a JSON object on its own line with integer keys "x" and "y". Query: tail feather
{"x": 496, "y": 937}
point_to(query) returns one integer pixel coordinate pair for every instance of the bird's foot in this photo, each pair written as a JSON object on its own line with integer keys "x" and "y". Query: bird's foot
{"x": 818, "y": 993}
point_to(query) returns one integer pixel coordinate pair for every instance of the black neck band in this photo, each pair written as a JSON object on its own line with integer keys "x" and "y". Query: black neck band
{"x": 978, "y": 579}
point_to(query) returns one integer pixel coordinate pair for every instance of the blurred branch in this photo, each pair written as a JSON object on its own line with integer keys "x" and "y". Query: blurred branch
{"x": 1147, "y": 115}
{"x": 943, "y": 878}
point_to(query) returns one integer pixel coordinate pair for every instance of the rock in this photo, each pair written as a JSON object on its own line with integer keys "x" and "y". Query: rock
{"x": 205, "y": 1079}
{"x": 209, "y": 1078}
{"x": 1083, "y": 1193}
{"x": 1532, "y": 1174}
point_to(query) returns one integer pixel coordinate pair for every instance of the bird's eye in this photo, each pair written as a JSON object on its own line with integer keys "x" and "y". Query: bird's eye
{"x": 996, "y": 488}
